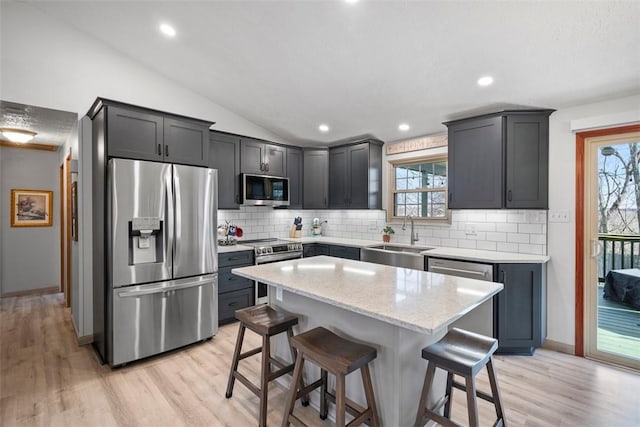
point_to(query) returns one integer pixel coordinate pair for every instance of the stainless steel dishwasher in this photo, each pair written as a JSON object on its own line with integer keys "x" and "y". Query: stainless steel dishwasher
{"x": 483, "y": 318}
{"x": 471, "y": 270}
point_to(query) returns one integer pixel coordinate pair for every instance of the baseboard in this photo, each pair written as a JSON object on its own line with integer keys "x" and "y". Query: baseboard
{"x": 82, "y": 340}
{"x": 32, "y": 292}
{"x": 559, "y": 347}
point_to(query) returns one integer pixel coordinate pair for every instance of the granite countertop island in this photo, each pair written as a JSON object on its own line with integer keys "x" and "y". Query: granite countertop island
{"x": 396, "y": 310}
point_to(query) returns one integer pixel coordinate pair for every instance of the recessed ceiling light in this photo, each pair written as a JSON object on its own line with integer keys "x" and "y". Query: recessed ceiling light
{"x": 168, "y": 30}
{"x": 485, "y": 81}
{"x": 18, "y": 135}
{"x": 404, "y": 127}
{"x": 323, "y": 128}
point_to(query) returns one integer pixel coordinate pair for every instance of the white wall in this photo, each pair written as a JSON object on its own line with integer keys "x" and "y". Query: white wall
{"x": 30, "y": 255}
{"x": 562, "y": 149}
{"x": 59, "y": 67}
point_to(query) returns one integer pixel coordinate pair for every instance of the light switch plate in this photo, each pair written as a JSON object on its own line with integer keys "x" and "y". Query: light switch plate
{"x": 559, "y": 216}
{"x": 470, "y": 229}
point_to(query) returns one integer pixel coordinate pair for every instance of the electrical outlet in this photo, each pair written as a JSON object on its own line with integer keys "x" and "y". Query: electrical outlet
{"x": 278, "y": 294}
{"x": 470, "y": 229}
{"x": 373, "y": 226}
{"x": 559, "y": 216}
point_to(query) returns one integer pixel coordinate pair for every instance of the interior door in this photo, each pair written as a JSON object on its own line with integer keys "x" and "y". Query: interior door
{"x": 196, "y": 210}
{"x": 611, "y": 215}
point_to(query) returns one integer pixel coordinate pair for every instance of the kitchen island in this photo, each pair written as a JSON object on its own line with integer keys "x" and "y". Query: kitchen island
{"x": 396, "y": 310}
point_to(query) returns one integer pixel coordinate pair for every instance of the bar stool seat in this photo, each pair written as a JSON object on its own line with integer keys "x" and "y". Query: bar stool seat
{"x": 340, "y": 357}
{"x": 460, "y": 353}
{"x": 267, "y": 322}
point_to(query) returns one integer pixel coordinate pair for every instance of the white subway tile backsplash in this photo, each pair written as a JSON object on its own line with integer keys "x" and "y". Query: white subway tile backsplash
{"x": 517, "y": 238}
{"x": 507, "y": 228}
{"x": 530, "y": 228}
{"x": 507, "y": 247}
{"x": 509, "y": 231}
{"x": 497, "y": 237}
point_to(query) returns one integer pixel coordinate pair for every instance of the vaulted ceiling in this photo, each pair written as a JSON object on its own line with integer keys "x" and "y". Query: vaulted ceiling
{"x": 366, "y": 67}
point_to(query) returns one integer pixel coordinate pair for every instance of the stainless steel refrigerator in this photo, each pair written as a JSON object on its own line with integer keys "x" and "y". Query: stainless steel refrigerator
{"x": 161, "y": 289}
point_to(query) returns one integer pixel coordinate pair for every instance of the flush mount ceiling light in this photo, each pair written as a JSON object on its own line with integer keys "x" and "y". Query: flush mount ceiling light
{"x": 167, "y": 30}
{"x": 485, "y": 81}
{"x": 323, "y": 128}
{"x": 404, "y": 127}
{"x": 351, "y": 1}
{"x": 18, "y": 135}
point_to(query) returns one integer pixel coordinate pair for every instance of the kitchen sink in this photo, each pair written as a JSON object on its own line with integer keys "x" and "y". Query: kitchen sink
{"x": 396, "y": 248}
{"x": 395, "y": 255}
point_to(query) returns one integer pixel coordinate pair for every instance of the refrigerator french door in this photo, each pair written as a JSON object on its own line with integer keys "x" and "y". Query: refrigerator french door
{"x": 162, "y": 258}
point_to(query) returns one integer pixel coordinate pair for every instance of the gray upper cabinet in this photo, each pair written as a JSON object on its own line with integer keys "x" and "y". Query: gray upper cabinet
{"x": 224, "y": 155}
{"x": 294, "y": 173}
{"x": 475, "y": 164}
{"x": 527, "y": 165}
{"x": 134, "y": 134}
{"x": 142, "y": 134}
{"x": 499, "y": 161}
{"x": 355, "y": 173}
{"x": 186, "y": 143}
{"x": 316, "y": 179}
{"x": 262, "y": 158}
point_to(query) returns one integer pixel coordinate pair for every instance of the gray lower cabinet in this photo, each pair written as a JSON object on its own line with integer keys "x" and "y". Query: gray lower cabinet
{"x": 295, "y": 174}
{"x": 499, "y": 161}
{"x": 316, "y": 179}
{"x": 314, "y": 249}
{"x": 224, "y": 155}
{"x": 519, "y": 310}
{"x": 355, "y": 173}
{"x": 338, "y": 251}
{"x": 347, "y": 252}
{"x": 234, "y": 292}
{"x": 261, "y": 158}
{"x": 142, "y": 134}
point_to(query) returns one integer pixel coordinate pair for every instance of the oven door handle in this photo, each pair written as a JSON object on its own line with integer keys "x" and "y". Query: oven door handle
{"x": 277, "y": 257}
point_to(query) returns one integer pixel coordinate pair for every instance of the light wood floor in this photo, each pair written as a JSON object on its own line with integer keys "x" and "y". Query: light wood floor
{"x": 47, "y": 379}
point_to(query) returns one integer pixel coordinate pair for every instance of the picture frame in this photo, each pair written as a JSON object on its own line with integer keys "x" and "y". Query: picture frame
{"x": 31, "y": 208}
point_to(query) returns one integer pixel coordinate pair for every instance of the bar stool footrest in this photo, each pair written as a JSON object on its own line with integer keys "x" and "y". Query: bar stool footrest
{"x": 480, "y": 394}
{"x": 351, "y": 407}
{"x": 248, "y": 384}
{"x": 249, "y": 353}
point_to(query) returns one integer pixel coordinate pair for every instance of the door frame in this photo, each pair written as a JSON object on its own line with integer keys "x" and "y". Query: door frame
{"x": 62, "y": 257}
{"x": 581, "y": 138}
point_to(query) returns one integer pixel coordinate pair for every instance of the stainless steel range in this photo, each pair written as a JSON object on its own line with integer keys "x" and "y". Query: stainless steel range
{"x": 271, "y": 250}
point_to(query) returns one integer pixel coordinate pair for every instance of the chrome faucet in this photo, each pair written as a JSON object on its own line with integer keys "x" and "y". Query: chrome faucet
{"x": 414, "y": 236}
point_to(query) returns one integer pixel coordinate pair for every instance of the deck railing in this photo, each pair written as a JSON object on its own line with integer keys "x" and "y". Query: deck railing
{"x": 618, "y": 252}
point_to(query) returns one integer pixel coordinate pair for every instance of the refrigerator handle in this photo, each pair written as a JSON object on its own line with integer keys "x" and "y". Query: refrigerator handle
{"x": 147, "y": 290}
{"x": 176, "y": 214}
{"x": 169, "y": 218}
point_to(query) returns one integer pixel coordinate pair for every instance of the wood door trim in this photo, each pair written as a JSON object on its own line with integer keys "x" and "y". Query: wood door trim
{"x": 67, "y": 165}
{"x": 29, "y": 146}
{"x": 579, "y": 246}
{"x": 62, "y": 276}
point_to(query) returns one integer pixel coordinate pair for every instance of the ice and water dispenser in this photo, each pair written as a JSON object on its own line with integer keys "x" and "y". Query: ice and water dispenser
{"x": 145, "y": 240}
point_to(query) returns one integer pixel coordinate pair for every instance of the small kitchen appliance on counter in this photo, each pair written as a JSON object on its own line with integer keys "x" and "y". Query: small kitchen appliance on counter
{"x": 316, "y": 227}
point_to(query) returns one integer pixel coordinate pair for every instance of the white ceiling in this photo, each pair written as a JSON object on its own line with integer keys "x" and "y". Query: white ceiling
{"x": 53, "y": 127}
{"x": 364, "y": 68}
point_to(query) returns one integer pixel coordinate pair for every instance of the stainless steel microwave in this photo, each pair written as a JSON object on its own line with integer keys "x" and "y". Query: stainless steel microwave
{"x": 263, "y": 190}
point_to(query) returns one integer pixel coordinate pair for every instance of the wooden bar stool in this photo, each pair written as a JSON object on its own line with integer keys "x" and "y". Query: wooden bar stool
{"x": 339, "y": 357}
{"x": 461, "y": 353}
{"x": 267, "y": 322}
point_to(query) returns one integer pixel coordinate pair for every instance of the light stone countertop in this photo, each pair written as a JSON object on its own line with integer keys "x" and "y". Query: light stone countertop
{"x": 417, "y": 300}
{"x": 233, "y": 248}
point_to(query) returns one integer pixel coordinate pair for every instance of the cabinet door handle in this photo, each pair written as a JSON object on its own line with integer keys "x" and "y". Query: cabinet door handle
{"x": 261, "y": 166}
{"x": 324, "y": 203}
{"x": 509, "y": 195}
{"x": 266, "y": 165}
{"x": 504, "y": 277}
{"x": 237, "y": 198}
{"x": 166, "y": 150}
{"x": 159, "y": 149}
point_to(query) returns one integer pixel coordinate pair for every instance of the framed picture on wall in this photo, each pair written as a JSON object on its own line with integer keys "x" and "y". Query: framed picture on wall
{"x": 31, "y": 208}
